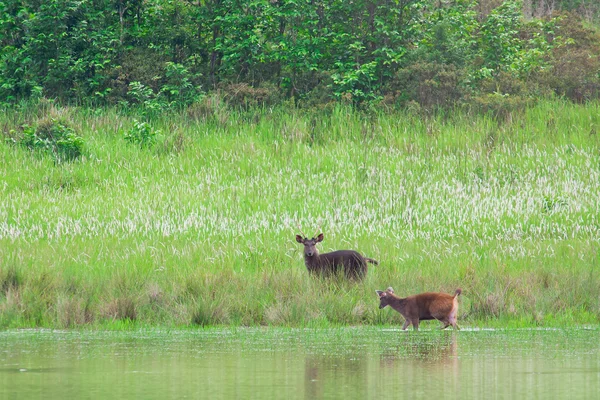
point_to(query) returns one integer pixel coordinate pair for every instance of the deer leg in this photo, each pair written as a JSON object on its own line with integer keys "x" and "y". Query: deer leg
{"x": 445, "y": 322}
{"x": 416, "y": 324}
{"x": 452, "y": 321}
{"x": 406, "y": 324}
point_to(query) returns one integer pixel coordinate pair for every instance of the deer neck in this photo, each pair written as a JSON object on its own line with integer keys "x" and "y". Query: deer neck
{"x": 312, "y": 261}
{"x": 397, "y": 303}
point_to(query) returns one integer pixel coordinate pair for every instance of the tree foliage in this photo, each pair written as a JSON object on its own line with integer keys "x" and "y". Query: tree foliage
{"x": 170, "y": 53}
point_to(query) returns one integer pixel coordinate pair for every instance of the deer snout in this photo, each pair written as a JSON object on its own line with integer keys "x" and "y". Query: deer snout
{"x": 310, "y": 253}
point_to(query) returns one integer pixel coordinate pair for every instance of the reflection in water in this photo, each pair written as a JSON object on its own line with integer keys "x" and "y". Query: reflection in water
{"x": 423, "y": 361}
{"x": 302, "y": 364}
{"x": 326, "y": 375}
{"x": 430, "y": 349}
{"x": 406, "y": 362}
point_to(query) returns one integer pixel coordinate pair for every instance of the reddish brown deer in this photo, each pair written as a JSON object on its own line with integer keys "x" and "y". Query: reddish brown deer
{"x": 353, "y": 263}
{"x": 424, "y": 306}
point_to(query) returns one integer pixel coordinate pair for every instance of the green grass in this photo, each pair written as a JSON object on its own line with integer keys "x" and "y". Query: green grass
{"x": 199, "y": 229}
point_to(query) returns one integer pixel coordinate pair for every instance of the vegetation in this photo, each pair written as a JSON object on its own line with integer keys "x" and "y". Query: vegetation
{"x": 199, "y": 227}
{"x": 165, "y": 54}
{"x": 157, "y": 156}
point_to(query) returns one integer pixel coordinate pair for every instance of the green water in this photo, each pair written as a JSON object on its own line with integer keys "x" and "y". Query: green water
{"x": 268, "y": 363}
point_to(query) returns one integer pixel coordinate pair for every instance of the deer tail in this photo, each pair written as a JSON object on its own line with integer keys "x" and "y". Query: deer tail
{"x": 372, "y": 261}
{"x": 457, "y": 292}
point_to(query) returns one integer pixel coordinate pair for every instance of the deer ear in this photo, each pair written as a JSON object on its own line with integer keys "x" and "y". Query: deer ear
{"x": 320, "y": 238}
{"x": 299, "y": 239}
{"x": 380, "y": 293}
{"x": 390, "y": 290}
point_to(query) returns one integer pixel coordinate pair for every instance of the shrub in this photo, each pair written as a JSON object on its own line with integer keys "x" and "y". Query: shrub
{"x": 145, "y": 96}
{"x": 141, "y": 65}
{"x": 313, "y": 90}
{"x": 53, "y": 136}
{"x": 245, "y": 96}
{"x": 508, "y": 85}
{"x": 575, "y": 71}
{"x": 178, "y": 89}
{"x": 498, "y": 105}
{"x": 430, "y": 84}
{"x": 211, "y": 107}
{"x": 141, "y": 134}
{"x": 503, "y": 83}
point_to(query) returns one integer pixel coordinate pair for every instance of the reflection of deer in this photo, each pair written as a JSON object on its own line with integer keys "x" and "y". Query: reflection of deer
{"x": 428, "y": 352}
{"x": 424, "y": 306}
{"x": 353, "y": 263}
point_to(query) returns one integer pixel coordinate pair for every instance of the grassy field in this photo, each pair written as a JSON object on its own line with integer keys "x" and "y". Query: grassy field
{"x": 199, "y": 228}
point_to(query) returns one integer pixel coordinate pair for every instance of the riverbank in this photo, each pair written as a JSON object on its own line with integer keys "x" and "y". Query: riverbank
{"x": 189, "y": 220}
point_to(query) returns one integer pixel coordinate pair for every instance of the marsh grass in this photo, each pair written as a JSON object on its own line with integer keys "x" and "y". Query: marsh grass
{"x": 198, "y": 230}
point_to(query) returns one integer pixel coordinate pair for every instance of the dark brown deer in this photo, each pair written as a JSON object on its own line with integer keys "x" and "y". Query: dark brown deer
{"x": 424, "y": 306}
{"x": 352, "y": 262}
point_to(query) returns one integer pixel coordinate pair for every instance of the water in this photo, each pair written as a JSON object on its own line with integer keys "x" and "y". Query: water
{"x": 273, "y": 363}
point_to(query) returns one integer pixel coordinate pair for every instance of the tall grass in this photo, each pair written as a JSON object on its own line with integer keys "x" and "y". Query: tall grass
{"x": 199, "y": 229}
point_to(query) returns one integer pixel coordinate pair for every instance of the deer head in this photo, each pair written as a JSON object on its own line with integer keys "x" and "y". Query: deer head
{"x": 384, "y": 297}
{"x": 310, "y": 245}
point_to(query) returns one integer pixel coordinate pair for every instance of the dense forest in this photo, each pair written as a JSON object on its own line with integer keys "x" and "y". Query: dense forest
{"x": 163, "y": 54}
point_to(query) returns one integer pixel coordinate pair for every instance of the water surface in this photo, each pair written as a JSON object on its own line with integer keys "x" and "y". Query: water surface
{"x": 273, "y": 363}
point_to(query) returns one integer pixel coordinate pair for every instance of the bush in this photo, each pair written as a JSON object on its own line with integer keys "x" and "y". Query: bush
{"x": 498, "y": 105}
{"x": 211, "y": 107}
{"x": 53, "y": 136}
{"x": 136, "y": 65}
{"x": 430, "y": 84}
{"x": 178, "y": 88}
{"x": 507, "y": 84}
{"x": 245, "y": 96}
{"x": 141, "y": 134}
{"x": 313, "y": 90}
{"x": 575, "y": 71}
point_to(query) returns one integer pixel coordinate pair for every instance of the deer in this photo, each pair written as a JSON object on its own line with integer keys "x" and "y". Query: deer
{"x": 424, "y": 306}
{"x": 353, "y": 263}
